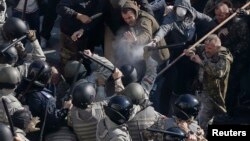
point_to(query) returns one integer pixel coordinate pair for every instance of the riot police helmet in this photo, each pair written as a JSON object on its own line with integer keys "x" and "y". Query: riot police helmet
{"x": 83, "y": 94}
{"x": 175, "y": 134}
{"x": 40, "y": 72}
{"x": 70, "y": 70}
{"x": 135, "y": 92}
{"x": 119, "y": 109}
{"x": 10, "y": 78}
{"x": 129, "y": 74}
{"x": 5, "y": 133}
{"x": 9, "y": 56}
{"x": 14, "y": 28}
{"x": 186, "y": 107}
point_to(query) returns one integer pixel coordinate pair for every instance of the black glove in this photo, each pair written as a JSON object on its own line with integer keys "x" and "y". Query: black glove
{"x": 31, "y": 35}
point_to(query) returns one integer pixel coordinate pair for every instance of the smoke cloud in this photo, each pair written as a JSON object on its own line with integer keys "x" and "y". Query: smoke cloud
{"x": 127, "y": 53}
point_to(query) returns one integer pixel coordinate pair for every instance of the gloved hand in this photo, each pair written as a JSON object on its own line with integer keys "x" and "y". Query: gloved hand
{"x": 32, "y": 125}
{"x": 31, "y": 35}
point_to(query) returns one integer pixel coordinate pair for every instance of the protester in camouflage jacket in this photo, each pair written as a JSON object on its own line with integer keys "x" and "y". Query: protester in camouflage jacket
{"x": 214, "y": 61}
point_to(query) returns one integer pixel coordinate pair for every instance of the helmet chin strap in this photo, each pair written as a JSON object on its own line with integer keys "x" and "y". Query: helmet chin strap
{"x": 181, "y": 111}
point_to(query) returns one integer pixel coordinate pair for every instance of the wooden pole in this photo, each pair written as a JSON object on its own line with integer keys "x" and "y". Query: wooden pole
{"x": 202, "y": 39}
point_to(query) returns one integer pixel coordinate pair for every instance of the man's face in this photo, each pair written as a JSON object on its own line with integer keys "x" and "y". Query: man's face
{"x": 210, "y": 48}
{"x": 129, "y": 17}
{"x": 221, "y": 13}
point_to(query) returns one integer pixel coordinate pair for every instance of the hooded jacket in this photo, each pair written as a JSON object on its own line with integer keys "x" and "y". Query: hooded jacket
{"x": 144, "y": 29}
{"x": 183, "y": 28}
{"x": 68, "y": 9}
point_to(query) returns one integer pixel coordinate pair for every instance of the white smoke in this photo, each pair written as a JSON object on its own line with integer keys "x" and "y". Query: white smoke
{"x": 128, "y": 53}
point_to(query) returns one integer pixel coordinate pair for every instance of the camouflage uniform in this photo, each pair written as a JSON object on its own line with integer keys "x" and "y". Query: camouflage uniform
{"x": 36, "y": 54}
{"x": 213, "y": 74}
{"x": 164, "y": 123}
{"x": 142, "y": 120}
{"x": 150, "y": 75}
{"x": 12, "y": 103}
{"x": 98, "y": 71}
{"x": 63, "y": 134}
{"x": 21, "y": 133}
{"x": 84, "y": 121}
{"x": 145, "y": 115}
{"x": 109, "y": 131}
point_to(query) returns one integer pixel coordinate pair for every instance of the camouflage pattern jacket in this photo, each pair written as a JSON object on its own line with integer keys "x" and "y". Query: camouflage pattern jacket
{"x": 164, "y": 123}
{"x": 214, "y": 73}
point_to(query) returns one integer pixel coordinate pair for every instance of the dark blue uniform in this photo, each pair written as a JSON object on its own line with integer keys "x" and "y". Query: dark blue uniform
{"x": 38, "y": 102}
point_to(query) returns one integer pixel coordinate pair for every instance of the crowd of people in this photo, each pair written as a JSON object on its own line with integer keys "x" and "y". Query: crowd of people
{"x": 123, "y": 95}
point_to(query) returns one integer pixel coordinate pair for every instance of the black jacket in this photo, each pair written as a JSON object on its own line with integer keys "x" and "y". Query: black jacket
{"x": 37, "y": 102}
{"x": 68, "y": 9}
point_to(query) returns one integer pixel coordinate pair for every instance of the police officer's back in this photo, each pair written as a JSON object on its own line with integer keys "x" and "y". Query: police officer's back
{"x": 113, "y": 127}
{"x": 145, "y": 117}
{"x": 186, "y": 109}
{"x": 10, "y": 77}
{"x": 85, "y": 114}
{"x": 40, "y": 100}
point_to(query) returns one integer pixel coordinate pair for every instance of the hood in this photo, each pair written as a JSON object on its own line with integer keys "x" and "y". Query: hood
{"x": 187, "y": 5}
{"x": 132, "y": 5}
{"x": 225, "y": 53}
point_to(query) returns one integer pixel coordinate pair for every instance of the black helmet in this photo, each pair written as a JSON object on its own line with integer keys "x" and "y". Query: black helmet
{"x": 176, "y": 130}
{"x": 14, "y": 28}
{"x": 70, "y": 69}
{"x": 119, "y": 109}
{"x": 21, "y": 118}
{"x": 41, "y": 71}
{"x": 83, "y": 94}
{"x": 10, "y": 56}
{"x": 129, "y": 74}
{"x": 5, "y": 133}
{"x": 135, "y": 92}
{"x": 10, "y": 77}
{"x": 186, "y": 107}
